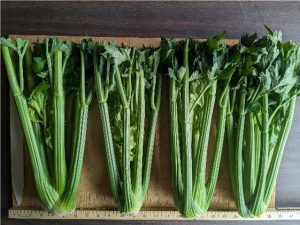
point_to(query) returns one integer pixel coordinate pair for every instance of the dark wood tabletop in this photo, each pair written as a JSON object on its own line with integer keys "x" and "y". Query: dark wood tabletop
{"x": 152, "y": 19}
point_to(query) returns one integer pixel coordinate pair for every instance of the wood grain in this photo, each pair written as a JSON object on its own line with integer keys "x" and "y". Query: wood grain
{"x": 150, "y": 19}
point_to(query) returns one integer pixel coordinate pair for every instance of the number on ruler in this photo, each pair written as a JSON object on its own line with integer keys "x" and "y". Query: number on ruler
{"x": 235, "y": 216}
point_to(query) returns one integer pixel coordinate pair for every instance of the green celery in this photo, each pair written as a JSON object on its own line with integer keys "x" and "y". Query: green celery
{"x": 196, "y": 70}
{"x": 125, "y": 79}
{"x": 263, "y": 94}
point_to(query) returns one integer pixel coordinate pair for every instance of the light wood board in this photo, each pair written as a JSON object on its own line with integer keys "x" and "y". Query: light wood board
{"x": 94, "y": 192}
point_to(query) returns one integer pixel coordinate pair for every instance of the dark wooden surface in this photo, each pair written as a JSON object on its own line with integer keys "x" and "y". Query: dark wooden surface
{"x": 152, "y": 19}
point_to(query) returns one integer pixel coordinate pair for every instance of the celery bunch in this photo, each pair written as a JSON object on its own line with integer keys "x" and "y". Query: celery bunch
{"x": 128, "y": 87}
{"x": 40, "y": 78}
{"x": 259, "y": 117}
{"x": 199, "y": 73}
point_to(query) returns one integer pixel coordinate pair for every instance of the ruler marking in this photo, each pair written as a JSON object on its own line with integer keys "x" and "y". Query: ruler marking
{"x": 151, "y": 215}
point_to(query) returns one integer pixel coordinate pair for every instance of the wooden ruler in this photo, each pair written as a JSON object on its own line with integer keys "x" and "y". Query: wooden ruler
{"x": 150, "y": 215}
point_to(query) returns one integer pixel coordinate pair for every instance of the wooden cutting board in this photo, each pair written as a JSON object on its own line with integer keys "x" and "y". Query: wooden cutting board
{"x": 94, "y": 192}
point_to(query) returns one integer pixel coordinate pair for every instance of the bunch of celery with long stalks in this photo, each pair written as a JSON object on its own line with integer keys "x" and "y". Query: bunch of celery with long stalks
{"x": 259, "y": 117}
{"x": 128, "y": 87}
{"x": 50, "y": 70}
{"x": 199, "y": 83}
